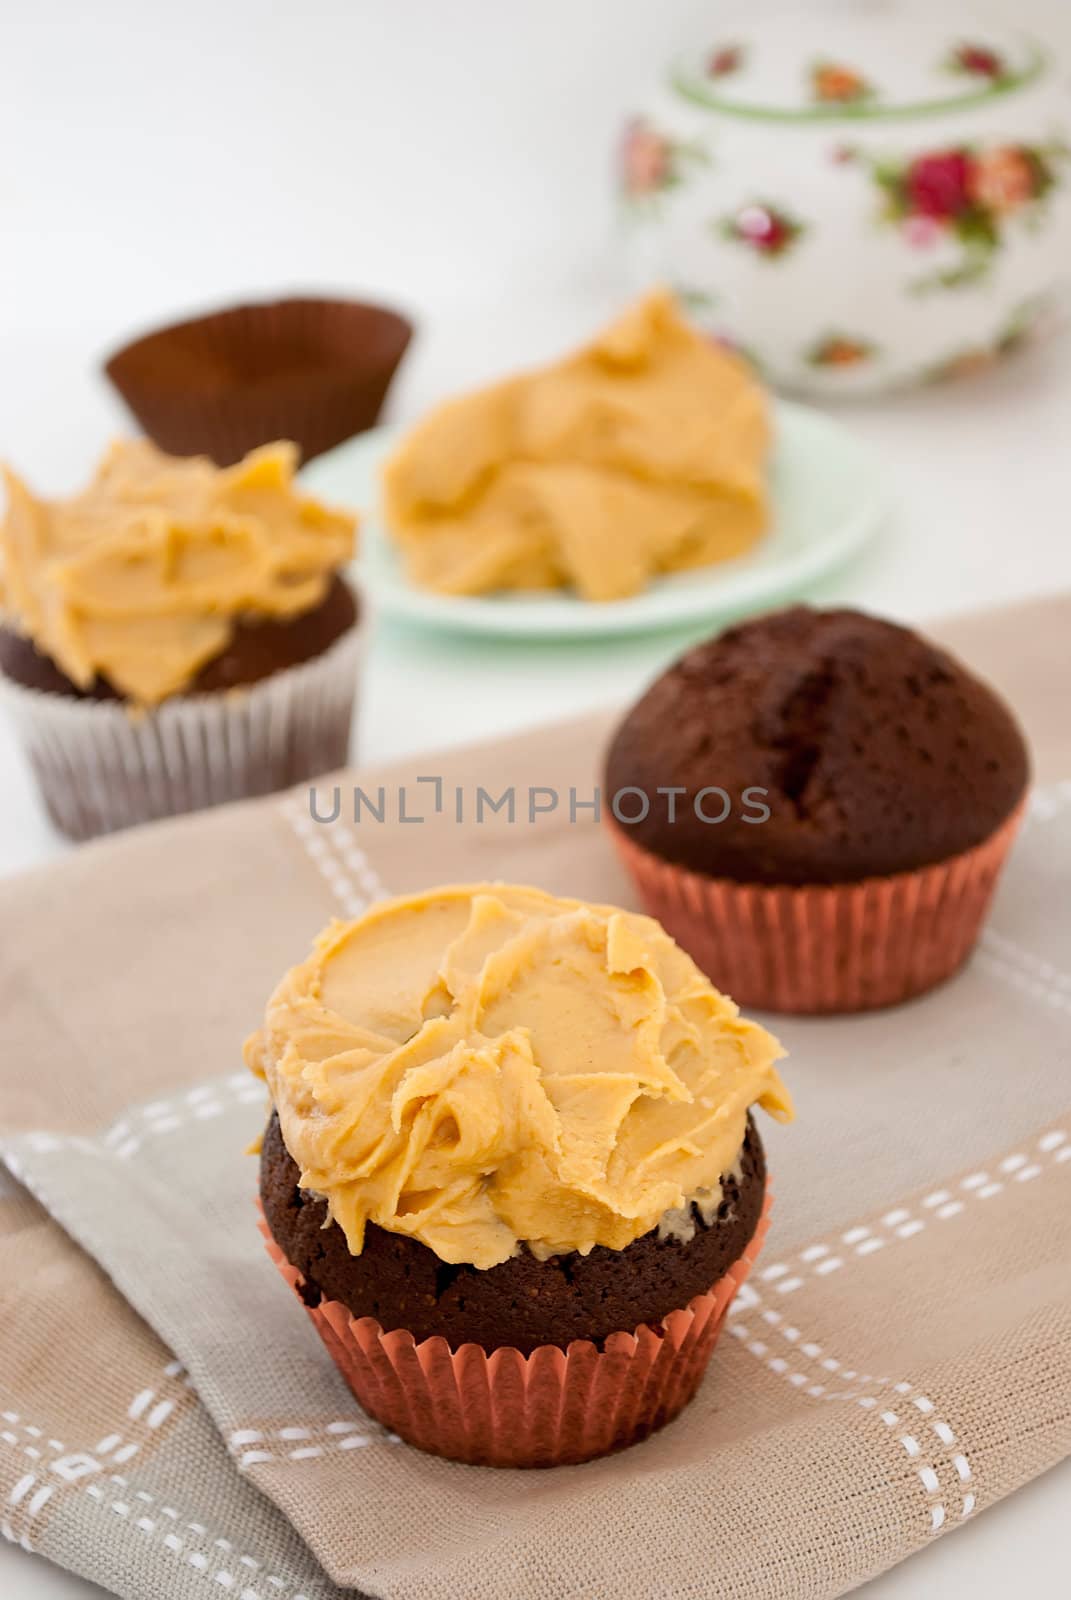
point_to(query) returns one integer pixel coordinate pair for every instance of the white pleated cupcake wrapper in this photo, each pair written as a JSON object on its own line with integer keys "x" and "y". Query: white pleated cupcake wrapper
{"x": 102, "y": 766}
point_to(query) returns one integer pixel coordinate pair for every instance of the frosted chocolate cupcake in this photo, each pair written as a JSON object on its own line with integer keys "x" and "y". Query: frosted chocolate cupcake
{"x": 891, "y": 780}
{"x": 175, "y": 636}
{"x": 510, "y": 1168}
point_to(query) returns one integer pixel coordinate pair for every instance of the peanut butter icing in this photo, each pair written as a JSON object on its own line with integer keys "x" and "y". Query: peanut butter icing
{"x": 489, "y": 1067}
{"x": 639, "y": 455}
{"x": 141, "y": 577}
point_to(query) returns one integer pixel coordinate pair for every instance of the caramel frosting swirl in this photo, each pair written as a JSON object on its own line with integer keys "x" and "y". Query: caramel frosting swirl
{"x": 488, "y": 1067}
{"x": 140, "y": 578}
{"x": 643, "y": 453}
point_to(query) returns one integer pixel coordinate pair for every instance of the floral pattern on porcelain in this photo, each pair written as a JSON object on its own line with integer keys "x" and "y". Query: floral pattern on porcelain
{"x": 726, "y": 60}
{"x": 840, "y": 84}
{"x": 1023, "y": 327}
{"x": 651, "y": 162}
{"x": 980, "y": 62}
{"x": 910, "y": 185}
{"x": 697, "y": 302}
{"x": 967, "y": 194}
{"x": 769, "y": 230}
{"x": 840, "y": 350}
{"x": 834, "y": 83}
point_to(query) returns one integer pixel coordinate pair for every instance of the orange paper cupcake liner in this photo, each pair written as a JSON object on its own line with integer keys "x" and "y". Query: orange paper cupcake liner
{"x": 825, "y": 948}
{"x": 551, "y": 1408}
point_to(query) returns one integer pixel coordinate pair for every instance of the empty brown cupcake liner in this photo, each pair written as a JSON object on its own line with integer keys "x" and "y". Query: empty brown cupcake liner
{"x": 209, "y": 386}
{"x": 825, "y": 948}
{"x": 551, "y": 1408}
{"x": 103, "y": 765}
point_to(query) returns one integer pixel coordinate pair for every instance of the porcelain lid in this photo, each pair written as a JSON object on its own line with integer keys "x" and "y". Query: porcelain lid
{"x": 883, "y": 61}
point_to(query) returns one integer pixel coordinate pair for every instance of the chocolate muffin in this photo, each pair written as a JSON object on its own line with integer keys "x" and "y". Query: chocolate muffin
{"x": 874, "y": 751}
{"x": 511, "y": 1171}
{"x": 817, "y": 805}
{"x": 523, "y": 1302}
{"x": 175, "y": 636}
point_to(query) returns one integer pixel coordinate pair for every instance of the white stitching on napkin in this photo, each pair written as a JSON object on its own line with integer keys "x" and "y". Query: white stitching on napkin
{"x": 122, "y": 1507}
{"x": 334, "y": 851}
{"x": 198, "y": 1559}
{"x": 1028, "y": 981}
{"x": 1050, "y": 1150}
{"x": 252, "y": 1445}
{"x": 927, "y": 1471}
{"x": 69, "y": 1467}
{"x": 26, "y": 1488}
{"x": 1017, "y": 954}
{"x": 128, "y": 1135}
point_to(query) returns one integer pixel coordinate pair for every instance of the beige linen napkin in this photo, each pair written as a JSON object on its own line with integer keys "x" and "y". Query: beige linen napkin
{"x": 900, "y": 1359}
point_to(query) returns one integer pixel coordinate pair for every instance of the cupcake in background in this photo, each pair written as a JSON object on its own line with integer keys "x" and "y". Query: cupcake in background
{"x": 309, "y": 369}
{"x": 510, "y": 1168}
{"x": 862, "y": 791}
{"x": 175, "y": 636}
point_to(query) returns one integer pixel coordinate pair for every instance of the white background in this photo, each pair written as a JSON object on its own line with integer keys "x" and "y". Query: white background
{"x": 452, "y": 159}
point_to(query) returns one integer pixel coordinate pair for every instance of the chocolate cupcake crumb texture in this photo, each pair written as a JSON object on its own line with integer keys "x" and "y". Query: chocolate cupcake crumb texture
{"x": 522, "y": 1302}
{"x": 879, "y": 752}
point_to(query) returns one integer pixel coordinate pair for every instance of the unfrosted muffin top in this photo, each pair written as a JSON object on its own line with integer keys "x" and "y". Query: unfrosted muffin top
{"x": 484, "y": 1066}
{"x": 141, "y": 578}
{"x": 878, "y": 753}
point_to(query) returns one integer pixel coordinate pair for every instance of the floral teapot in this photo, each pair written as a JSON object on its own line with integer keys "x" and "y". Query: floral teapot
{"x": 875, "y": 197}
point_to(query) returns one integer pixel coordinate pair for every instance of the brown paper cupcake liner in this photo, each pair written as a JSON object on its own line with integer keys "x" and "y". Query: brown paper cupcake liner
{"x": 829, "y": 947}
{"x": 101, "y": 766}
{"x": 313, "y": 370}
{"x": 551, "y": 1408}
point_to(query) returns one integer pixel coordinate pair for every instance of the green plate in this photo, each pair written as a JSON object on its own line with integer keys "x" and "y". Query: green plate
{"x": 829, "y": 497}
